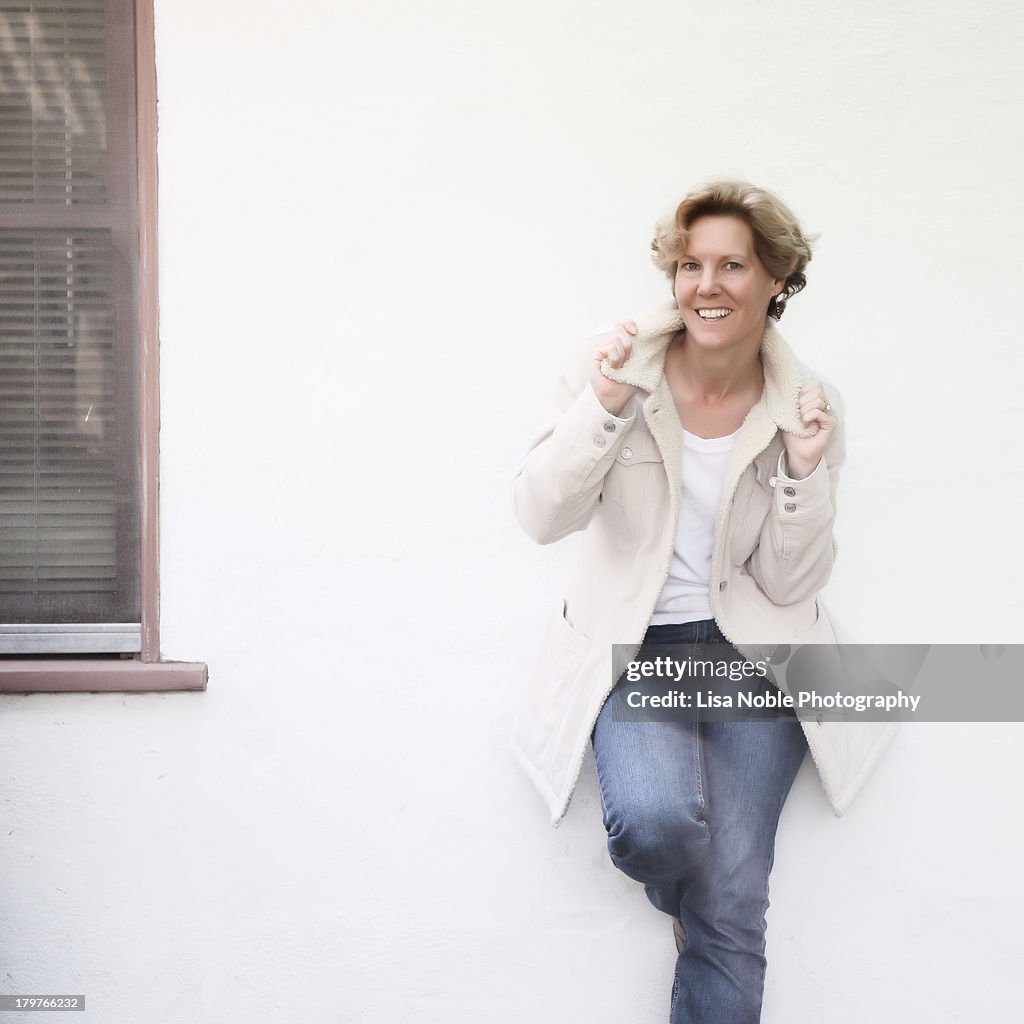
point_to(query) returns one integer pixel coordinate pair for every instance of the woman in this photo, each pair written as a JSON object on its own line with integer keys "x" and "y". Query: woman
{"x": 701, "y": 460}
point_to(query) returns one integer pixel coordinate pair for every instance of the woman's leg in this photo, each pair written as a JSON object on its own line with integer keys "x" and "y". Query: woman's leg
{"x": 652, "y": 792}
{"x": 749, "y": 769}
{"x": 691, "y": 809}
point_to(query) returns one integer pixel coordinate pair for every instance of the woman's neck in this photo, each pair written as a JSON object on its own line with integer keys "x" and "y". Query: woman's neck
{"x": 710, "y": 378}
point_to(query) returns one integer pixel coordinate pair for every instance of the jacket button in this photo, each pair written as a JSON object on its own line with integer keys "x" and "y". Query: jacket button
{"x": 788, "y": 492}
{"x": 789, "y": 506}
{"x": 610, "y": 427}
{"x": 626, "y": 453}
{"x": 599, "y": 441}
{"x": 722, "y": 585}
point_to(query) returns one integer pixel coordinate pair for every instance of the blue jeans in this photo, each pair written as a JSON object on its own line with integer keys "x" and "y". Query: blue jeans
{"x": 691, "y": 809}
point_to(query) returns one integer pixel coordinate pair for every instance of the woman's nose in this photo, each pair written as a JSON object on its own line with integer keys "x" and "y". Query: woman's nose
{"x": 708, "y": 283}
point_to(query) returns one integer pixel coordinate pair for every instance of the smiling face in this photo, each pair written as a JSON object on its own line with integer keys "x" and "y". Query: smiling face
{"x": 721, "y": 287}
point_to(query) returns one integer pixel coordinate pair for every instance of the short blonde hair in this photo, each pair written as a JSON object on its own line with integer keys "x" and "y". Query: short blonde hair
{"x": 780, "y": 243}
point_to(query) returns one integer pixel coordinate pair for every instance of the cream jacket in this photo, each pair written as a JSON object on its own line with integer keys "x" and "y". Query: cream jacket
{"x": 617, "y": 478}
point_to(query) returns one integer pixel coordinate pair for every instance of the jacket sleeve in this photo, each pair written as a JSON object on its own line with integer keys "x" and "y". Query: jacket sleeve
{"x": 796, "y": 551}
{"x": 557, "y": 486}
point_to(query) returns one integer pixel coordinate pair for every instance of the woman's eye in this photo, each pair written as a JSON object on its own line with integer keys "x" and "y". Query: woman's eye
{"x": 689, "y": 266}
{"x": 733, "y": 265}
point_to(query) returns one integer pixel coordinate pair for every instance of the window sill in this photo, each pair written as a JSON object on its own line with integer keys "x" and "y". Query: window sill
{"x": 99, "y": 675}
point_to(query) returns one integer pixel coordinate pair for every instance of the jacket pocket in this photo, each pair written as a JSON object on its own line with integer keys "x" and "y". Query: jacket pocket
{"x": 547, "y": 731}
{"x": 548, "y": 696}
{"x": 637, "y": 464}
{"x": 570, "y": 641}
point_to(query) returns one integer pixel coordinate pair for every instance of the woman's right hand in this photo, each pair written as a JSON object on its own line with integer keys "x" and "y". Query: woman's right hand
{"x": 616, "y": 348}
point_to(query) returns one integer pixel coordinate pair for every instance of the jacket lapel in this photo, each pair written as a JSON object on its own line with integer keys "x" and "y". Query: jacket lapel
{"x": 663, "y": 423}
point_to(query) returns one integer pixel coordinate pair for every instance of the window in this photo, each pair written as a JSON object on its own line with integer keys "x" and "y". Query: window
{"x": 78, "y": 365}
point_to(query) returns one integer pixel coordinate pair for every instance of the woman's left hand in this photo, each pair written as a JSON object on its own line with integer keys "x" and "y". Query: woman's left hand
{"x": 804, "y": 453}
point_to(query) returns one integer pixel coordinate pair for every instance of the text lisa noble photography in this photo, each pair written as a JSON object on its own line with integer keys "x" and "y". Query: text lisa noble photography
{"x": 768, "y": 701}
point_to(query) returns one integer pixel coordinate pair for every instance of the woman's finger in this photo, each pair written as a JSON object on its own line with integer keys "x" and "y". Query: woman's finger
{"x": 813, "y": 397}
{"x": 612, "y": 351}
{"x": 824, "y": 420}
{"x": 617, "y": 346}
{"x": 625, "y": 346}
{"x": 821, "y": 404}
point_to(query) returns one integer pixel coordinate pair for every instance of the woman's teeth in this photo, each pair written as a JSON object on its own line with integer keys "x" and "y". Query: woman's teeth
{"x": 713, "y": 314}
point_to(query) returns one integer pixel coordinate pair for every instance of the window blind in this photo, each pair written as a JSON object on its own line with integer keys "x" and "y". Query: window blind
{"x": 69, "y": 494}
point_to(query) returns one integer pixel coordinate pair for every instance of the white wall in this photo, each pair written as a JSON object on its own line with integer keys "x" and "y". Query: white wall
{"x": 382, "y": 226}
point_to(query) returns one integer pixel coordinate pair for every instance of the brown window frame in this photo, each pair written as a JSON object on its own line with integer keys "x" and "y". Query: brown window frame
{"x": 144, "y": 671}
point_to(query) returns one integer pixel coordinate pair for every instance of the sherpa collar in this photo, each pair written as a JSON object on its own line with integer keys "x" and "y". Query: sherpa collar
{"x": 784, "y": 374}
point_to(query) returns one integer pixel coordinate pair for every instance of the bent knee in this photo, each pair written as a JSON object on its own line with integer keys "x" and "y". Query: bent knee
{"x": 656, "y": 842}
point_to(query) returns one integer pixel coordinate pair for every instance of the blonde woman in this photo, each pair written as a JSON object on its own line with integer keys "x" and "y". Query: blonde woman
{"x": 700, "y": 458}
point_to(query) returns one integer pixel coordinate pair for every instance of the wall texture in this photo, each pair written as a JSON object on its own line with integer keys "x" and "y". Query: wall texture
{"x": 382, "y": 228}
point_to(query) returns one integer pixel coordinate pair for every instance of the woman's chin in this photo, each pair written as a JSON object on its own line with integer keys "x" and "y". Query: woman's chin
{"x": 711, "y": 337}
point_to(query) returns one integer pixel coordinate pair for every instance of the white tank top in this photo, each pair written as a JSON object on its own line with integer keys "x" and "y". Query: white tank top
{"x": 685, "y": 596}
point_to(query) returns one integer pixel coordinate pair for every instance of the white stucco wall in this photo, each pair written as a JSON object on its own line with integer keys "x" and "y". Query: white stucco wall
{"x": 382, "y": 228}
